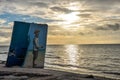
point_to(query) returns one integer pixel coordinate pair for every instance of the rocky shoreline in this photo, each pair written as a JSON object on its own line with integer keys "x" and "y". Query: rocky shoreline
{"x": 17, "y": 73}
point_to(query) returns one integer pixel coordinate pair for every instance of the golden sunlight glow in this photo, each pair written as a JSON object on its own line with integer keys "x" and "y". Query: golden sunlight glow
{"x": 73, "y": 8}
{"x": 69, "y": 18}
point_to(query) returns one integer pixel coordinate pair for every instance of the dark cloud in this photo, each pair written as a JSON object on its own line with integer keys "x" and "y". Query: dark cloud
{"x": 59, "y": 9}
{"x": 81, "y": 33}
{"x": 28, "y": 3}
{"x": 39, "y": 4}
{"x": 114, "y": 27}
{"x": 101, "y": 2}
{"x": 101, "y": 28}
{"x": 86, "y": 33}
{"x": 102, "y": 5}
{"x": 88, "y": 10}
{"x": 85, "y": 15}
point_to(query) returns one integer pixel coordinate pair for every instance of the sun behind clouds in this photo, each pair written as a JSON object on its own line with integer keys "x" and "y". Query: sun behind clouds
{"x": 69, "y": 19}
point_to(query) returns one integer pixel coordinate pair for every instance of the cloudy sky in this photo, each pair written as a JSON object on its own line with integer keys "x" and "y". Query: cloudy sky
{"x": 70, "y": 21}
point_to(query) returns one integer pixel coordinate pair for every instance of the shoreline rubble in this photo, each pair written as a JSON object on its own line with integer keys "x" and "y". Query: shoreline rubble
{"x": 18, "y": 73}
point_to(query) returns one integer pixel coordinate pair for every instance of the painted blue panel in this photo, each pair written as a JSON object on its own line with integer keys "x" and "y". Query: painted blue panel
{"x": 42, "y": 45}
{"x": 19, "y": 44}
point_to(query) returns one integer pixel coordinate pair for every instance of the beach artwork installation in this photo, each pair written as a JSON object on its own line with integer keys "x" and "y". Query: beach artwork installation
{"x": 28, "y": 45}
{"x": 37, "y": 46}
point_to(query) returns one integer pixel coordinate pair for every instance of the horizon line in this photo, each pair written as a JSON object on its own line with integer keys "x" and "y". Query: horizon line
{"x": 77, "y": 44}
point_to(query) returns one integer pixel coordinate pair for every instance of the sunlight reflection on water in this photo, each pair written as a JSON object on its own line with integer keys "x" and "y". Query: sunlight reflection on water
{"x": 72, "y": 51}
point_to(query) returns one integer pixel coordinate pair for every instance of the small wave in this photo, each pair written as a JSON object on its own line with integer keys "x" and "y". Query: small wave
{"x": 66, "y": 65}
{"x": 102, "y": 65}
{"x": 115, "y": 73}
{"x": 62, "y": 65}
{"x": 75, "y": 66}
{"x": 3, "y": 52}
{"x": 50, "y": 52}
{"x": 49, "y": 55}
{"x": 52, "y": 56}
{"x": 55, "y": 57}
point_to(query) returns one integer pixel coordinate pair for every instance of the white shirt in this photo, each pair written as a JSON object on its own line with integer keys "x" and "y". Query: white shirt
{"x": 35, "y": 44}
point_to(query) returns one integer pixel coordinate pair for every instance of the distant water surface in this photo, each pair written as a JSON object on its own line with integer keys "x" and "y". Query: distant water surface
{"x": 101, "y": 60}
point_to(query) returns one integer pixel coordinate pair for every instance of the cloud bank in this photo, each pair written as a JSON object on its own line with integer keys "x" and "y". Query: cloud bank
{"x": 97, "y": 20}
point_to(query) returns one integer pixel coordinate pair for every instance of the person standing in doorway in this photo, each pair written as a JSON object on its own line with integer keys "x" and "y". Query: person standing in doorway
{"x": 35, "y": 46}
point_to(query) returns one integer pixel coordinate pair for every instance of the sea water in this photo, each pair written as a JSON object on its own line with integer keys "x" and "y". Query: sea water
{"x": 94, "y": 59}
